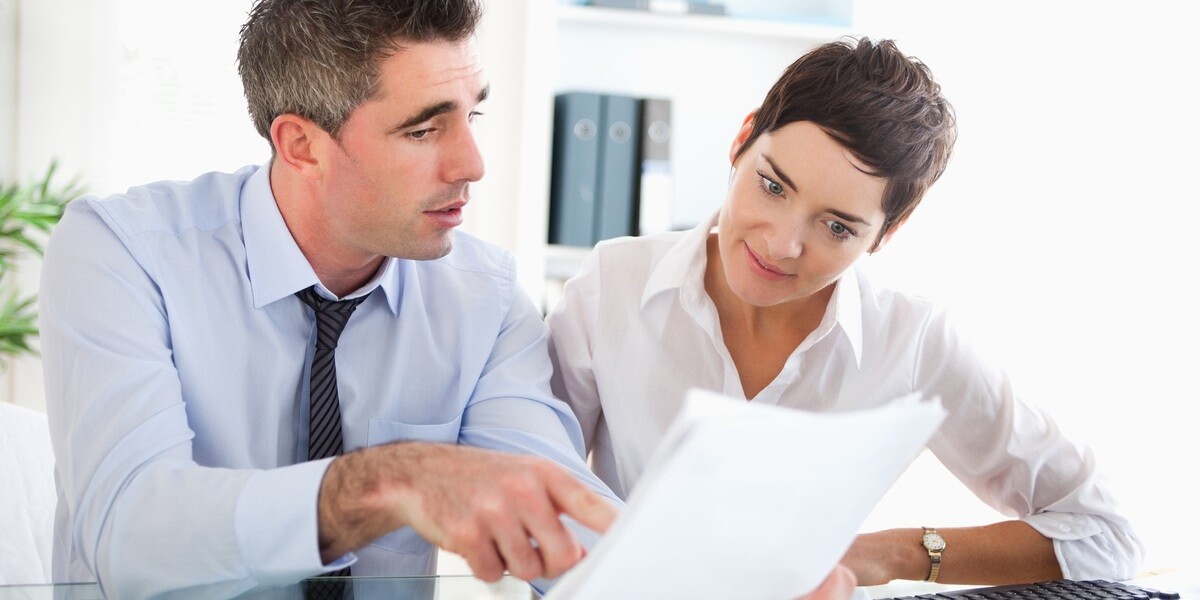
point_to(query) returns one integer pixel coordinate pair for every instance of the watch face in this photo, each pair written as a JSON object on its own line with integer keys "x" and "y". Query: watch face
{"x": 933, "y": 541}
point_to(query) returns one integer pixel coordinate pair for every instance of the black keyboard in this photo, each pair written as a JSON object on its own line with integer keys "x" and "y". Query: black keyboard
{"x": 1062, "y": 589}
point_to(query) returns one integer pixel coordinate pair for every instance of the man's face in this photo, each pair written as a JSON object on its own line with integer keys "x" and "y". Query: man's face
{"x": 397, "y": 179}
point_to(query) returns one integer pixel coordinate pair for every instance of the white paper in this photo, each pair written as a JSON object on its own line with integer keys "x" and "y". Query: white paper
{"x": 750, "y": 501}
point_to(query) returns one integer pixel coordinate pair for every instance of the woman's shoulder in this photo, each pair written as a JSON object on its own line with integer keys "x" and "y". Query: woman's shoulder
{"x": 621, "y": 268}
{"x": 635, "y": 254}
{"x": 637, "y": 245}
{"x": 894, "y": 308}
{"x": 887, "y": 298}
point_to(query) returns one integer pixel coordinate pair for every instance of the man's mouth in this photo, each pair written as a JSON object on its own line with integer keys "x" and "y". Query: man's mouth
{"x": 449, "y": 216}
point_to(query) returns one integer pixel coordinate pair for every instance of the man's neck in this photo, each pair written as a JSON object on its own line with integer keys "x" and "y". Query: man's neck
{"x": 342, "y": 281}
{"x": 340, "y": 269}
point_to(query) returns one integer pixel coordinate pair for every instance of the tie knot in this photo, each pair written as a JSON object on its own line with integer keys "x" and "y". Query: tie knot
{"x": 332, "y": 315}
{"x": 320, "y": 304}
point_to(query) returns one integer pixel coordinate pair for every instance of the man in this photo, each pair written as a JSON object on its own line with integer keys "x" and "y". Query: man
{"x": 178, "y": 357}
{"x": 189, "y": 352}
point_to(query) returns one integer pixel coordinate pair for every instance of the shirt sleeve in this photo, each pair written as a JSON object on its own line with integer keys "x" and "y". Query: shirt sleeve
{"x": 571, "y": 324}
{"x": 513, "y": 410}
{"x": 123, "y": 444}
{"x": 1014, "y": 457}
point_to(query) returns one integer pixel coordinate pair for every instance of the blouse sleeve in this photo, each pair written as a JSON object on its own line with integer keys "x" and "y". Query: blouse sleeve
{"x": 1014, "y": 457}
{"x": 571, "y": 323}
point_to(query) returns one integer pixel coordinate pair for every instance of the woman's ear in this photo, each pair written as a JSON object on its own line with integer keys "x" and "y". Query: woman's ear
{"x": 887, "y": 237}
{"x": 742, "y": 135}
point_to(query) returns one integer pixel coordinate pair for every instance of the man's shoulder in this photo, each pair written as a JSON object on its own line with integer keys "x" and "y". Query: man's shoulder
{"x": 206, "y": 202}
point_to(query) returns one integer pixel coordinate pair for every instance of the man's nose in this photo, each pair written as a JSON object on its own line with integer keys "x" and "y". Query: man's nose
{"x": 465, "y": 162}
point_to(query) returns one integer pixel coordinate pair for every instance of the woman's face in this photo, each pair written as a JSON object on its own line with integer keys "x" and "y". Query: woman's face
{"x": 800, "y": 210}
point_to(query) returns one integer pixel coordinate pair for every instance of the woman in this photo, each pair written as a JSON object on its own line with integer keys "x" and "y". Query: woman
{"x": 761, "y": 302}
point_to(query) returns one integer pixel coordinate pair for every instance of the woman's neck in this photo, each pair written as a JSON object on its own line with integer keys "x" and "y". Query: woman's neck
{"x": 797, "y": 317}
{"x": 760, "y": 339}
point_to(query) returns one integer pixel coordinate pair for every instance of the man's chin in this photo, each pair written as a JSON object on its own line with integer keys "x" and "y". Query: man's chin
{"x": 432, "y": 251}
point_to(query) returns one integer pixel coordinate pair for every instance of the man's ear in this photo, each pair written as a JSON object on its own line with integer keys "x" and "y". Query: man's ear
{"x": 300, "y": 144}
{"x": 742, "y": 135}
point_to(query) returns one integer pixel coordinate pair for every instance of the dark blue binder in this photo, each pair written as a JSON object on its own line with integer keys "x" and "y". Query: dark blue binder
{"x": 619, "y": 179}
{"x": 574, "y": 168}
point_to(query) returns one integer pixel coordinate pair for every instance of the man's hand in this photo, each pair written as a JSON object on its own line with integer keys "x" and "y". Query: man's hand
{"x": 498, "y": 511}
{"x": 838, "y": 586}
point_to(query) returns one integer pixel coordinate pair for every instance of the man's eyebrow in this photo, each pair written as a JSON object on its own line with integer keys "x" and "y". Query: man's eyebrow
{"x": 434, "y": 110}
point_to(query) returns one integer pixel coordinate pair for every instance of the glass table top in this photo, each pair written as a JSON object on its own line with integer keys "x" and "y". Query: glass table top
{"x": 443, "y": 587}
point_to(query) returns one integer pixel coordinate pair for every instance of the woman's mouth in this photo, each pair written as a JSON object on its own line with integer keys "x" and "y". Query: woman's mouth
{"x": 762, "y": 268}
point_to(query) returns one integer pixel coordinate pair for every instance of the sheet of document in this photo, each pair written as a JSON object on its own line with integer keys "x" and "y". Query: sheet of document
{"x": 750, "y": 501}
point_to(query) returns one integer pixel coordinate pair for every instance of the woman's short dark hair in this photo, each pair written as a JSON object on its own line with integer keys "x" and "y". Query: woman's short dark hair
{"x": 320, "y": 59}
{"x": 883, "y": 106}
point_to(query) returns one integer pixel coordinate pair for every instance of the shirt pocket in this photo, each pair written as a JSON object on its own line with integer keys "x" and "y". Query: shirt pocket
{"x": 383, "y": 431}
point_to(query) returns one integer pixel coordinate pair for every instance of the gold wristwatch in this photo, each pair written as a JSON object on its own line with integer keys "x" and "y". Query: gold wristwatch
{"x": 934, "y": 544}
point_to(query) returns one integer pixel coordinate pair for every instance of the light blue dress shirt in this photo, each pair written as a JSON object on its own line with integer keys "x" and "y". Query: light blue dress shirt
{"x": 176, "y": 362}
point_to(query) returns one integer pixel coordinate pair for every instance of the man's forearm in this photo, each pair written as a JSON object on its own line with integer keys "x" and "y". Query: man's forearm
{"x": 357, "y": 502}
{"x": 500, "y": 511}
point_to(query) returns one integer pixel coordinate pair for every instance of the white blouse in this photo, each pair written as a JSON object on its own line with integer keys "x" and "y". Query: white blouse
{"x": 635, "y": 330}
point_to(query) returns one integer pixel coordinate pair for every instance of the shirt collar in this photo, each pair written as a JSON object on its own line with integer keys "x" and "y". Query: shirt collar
{"x": 681, "y": 260}
{"x": 274, "y": 263}
{"x": 846, "y": 305}
{"x": 682, "y": 268}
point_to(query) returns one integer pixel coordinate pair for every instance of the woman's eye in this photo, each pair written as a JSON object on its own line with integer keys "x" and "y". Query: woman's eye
{"x": 772, "y": 186}
{"x": 840, "y": 231}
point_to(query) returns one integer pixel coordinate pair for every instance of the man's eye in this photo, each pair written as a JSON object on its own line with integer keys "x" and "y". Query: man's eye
{"x": 416, "y": 135}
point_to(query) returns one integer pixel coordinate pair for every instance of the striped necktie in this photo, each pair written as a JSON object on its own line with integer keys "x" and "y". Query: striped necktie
{"x": 324, "y": 412}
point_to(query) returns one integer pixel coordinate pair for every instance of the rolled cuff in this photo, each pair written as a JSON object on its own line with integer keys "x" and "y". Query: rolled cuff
{"x": 1087, "y": 547}
{"x": 276, "y": 523}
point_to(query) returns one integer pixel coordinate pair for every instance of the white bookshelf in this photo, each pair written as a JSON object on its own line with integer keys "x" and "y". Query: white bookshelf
{"x": 714, "y": 69}
{"x": 713, "y": 24}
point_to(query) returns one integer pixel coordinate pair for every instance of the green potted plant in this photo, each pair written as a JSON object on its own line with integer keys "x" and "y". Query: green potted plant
{"x": 27, "y": 212}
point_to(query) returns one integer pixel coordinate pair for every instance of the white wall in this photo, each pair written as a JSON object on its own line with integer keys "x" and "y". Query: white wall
{"x": 8, "y": 119}
{"x": 8, "y": 87}
{"x": 508, "y": 206}
{"x": 1063, "y": 233}
{"x": 57, "y": 109}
